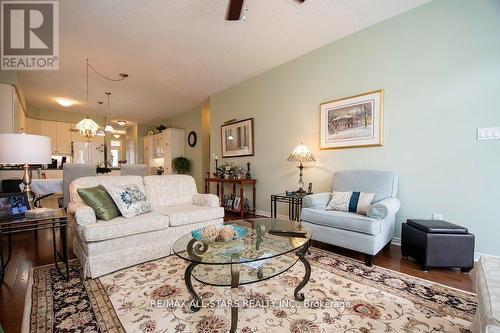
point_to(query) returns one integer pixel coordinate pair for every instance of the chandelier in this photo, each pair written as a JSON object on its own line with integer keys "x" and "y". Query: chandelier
{"x": 88, "y": 127}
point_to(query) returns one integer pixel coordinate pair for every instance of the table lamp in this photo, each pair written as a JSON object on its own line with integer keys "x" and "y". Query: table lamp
{"x": 25, "y": 149}
{"x": 301, "y": 154}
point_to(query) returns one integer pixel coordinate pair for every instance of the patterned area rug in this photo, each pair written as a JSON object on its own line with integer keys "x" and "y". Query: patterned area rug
{"x": 342, "y": 295}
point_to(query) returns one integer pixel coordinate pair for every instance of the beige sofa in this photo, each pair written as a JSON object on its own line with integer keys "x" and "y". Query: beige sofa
{"x": 487, "y": 318}
{"x": 107, "y": 246}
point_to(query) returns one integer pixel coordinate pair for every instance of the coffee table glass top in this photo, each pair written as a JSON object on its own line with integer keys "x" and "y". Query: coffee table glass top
{"x": 259, "y": 255}
{"x": 257, "y": 245}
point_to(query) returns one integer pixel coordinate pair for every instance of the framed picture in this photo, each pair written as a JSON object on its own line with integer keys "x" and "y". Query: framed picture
{"x": 237, "y": 138}
{"x": 355, "y": 121}
{"x": 236, "y": 203}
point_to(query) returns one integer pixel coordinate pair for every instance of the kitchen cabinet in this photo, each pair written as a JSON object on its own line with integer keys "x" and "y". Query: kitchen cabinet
{"x": 49, "y": 128}
{"x": 32, "y": 126}
{"x": 12, "y": 116}
{"x": 60, "y": 135}
{"x": 63, "y": 137}
{"x": 160, "y": 149}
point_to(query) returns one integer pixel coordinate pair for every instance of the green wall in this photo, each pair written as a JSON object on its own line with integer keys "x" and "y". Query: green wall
{"x": 439, "y": 65}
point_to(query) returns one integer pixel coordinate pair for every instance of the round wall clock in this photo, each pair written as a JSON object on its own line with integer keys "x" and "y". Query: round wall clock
{"x": 192, "y": 138}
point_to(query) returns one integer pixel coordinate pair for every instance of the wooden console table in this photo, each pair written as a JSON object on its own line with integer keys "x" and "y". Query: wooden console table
{"x": 242, "y": 183}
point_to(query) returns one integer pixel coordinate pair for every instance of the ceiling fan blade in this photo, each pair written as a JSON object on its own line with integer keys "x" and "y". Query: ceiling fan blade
{"x": 234, "y": 10}
{"x": 301, "y": 1}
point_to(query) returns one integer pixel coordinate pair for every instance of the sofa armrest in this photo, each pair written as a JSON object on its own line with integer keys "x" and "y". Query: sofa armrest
{"x": 384, "y": 208}
{"x": 209, "y": 200}
{"x": 83, "y": 214}
{"x": 317, "y": 200}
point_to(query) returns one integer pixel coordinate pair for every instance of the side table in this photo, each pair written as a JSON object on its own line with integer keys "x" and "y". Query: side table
{"x": 57, "y": 221}
{"x": 294, "y": 202}
{"x": 242, "y": 183}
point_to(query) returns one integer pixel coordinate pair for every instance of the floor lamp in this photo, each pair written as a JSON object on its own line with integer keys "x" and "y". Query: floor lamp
{"x": 25, "y": 149}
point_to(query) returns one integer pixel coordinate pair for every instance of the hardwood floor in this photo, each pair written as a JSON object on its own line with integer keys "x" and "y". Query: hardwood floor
{"x": 29, "y": 252}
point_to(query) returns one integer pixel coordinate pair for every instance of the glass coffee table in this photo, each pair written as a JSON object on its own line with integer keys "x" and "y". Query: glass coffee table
{"x": 270, "y": 248}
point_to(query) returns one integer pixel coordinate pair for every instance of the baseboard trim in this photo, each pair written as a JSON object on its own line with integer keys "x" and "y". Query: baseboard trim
{"x": 395, "y": 240}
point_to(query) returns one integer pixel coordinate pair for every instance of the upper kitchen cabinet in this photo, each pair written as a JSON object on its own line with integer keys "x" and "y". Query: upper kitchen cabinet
{"x": 60, "y": 135}
{"x": 12, "y": 117}
{"x": 32, "y": 126}
{"x": 49, "y": 128}
{"x": 160, "y": 149}
{"x": 64, "y": 137}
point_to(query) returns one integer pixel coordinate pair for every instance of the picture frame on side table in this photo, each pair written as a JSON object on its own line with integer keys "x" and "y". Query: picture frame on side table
{"x": 356, "y": 121}
{"x": 236, "y": 203}
{"x": 237, "y": 138}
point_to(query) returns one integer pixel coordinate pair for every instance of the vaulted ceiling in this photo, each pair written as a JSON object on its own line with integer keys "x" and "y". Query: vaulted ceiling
{"x": 179, "y": 52}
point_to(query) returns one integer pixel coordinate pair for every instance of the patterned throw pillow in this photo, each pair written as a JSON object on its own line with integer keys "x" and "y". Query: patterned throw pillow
{"x": 353, "y": 202}
{"x": 131, "y": 201}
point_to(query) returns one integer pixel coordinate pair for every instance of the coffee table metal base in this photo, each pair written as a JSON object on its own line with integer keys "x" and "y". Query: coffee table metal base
{"x": 235, "y": 281}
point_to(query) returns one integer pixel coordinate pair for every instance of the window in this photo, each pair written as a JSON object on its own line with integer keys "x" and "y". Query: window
{"x": 115, "y": 152}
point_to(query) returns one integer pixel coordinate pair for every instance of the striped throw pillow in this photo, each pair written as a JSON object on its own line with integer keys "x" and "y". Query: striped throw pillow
{"x": 354, "y": 202}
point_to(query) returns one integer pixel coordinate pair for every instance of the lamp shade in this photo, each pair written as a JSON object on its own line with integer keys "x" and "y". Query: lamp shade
{"x": 301, "y": 153}
{"x": 25, "y": 148}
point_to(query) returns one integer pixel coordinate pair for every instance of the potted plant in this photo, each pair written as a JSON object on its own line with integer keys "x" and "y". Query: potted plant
{"x": 181, "y": 165}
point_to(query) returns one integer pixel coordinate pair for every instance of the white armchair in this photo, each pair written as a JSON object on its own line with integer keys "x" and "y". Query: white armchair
{"x": 363, "y": 233}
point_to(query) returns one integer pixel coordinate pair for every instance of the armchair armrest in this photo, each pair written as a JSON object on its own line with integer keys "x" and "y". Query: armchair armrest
{"x": 384, "y": 208}
{"x": 209, "y": 200}
{"x": 83, "y": 214}
{"x": 317, "y": 200}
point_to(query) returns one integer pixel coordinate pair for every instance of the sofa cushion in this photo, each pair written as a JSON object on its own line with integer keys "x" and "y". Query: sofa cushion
{"x": 354, "y": 202}
{"x": 121, "y": 226}
{"x": 170, "y": 190}
{"x": 130, "y": 199}
{"x": 383, "y": 184}
{"x": 102, "y": 180}
{"x": 100, "y": 201}
{"x": 342, "y": 220}
{"x": 188, "y": 214}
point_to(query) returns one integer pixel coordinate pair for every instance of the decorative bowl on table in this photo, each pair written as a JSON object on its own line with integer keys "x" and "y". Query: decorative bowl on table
{"x": 219, "y": 234}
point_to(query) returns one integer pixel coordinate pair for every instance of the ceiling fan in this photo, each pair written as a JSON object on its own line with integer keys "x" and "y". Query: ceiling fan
{"x": 235, "y": 8}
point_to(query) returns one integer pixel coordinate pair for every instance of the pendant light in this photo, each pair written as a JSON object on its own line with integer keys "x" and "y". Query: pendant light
{"x": 100, "y": 132}
{"x": 108, "y": 127}
{"x": 87, "y": 127}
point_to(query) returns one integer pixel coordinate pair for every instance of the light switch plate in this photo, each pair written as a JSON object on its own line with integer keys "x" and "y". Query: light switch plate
{"x": 488, "y": 133}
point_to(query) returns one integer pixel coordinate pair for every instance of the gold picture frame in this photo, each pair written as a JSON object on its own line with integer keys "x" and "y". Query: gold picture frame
{"x": 353, "y": 122}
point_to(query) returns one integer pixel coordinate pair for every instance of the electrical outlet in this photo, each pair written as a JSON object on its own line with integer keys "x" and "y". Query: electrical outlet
{"x": 437, "y": 216}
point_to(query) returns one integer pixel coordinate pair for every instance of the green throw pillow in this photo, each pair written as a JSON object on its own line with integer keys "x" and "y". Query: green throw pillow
{"x": 100, "y": 201}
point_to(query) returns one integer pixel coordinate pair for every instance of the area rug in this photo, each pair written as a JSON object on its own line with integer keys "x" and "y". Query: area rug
{"x": 343, "y": 295}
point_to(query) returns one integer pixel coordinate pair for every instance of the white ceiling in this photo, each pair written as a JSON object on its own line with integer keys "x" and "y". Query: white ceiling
{"x": 179, "y": 52}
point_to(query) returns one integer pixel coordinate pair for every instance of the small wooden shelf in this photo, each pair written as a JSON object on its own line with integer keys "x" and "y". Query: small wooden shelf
{"x": 220, "y": 182}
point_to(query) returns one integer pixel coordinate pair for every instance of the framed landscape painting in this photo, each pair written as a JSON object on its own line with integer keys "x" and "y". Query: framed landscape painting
{"x": 355, "y": 121}
{"x": 237, "y": 138}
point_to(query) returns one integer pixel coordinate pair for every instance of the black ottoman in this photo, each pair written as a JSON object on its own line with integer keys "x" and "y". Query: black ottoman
{"x": 435, "y": 243}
